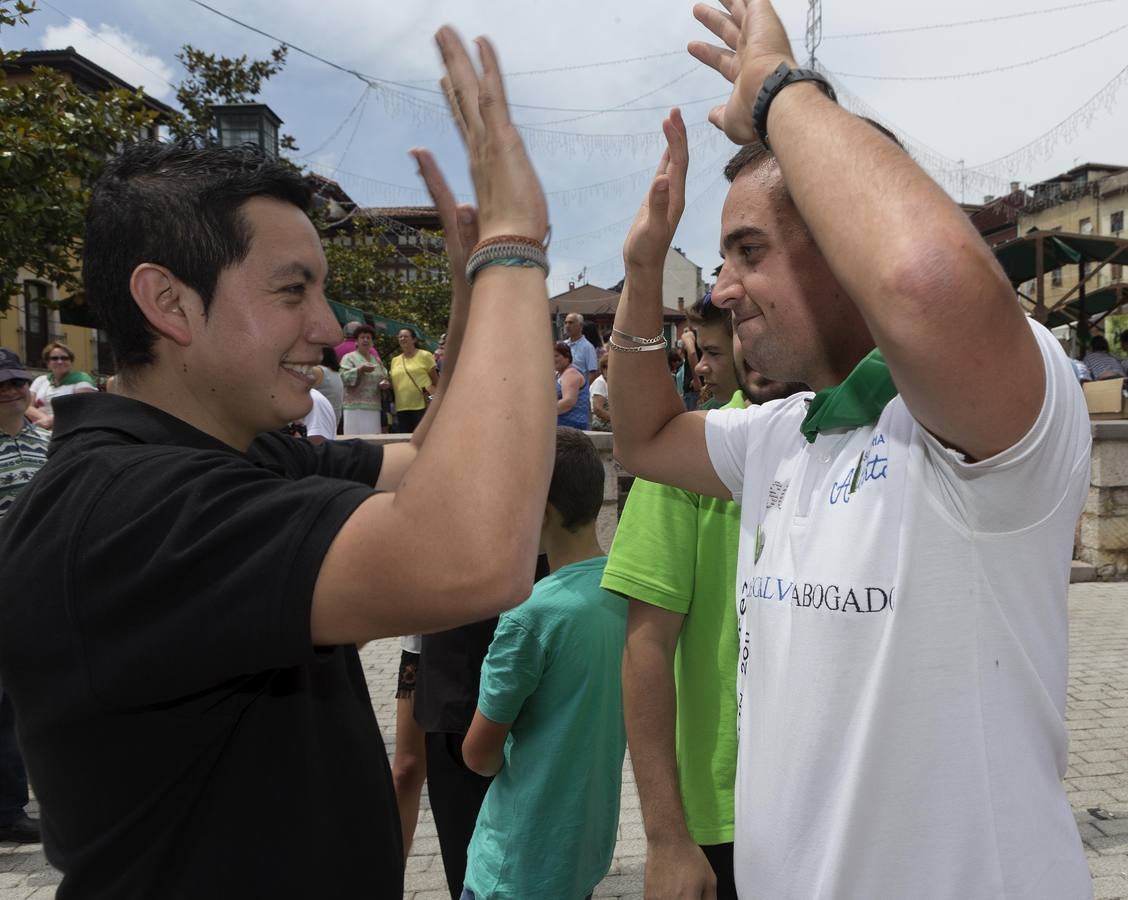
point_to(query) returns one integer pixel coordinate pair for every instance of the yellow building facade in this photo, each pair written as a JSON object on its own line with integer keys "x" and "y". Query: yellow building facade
{"x": 34, "y": 317}
{"x": 1089, "y": 199}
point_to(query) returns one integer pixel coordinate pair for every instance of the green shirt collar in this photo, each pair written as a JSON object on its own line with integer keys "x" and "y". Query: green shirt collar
{"x": 858, "y": 400}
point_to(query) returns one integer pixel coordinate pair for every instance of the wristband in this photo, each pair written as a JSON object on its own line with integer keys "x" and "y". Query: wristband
{"x": 507, "y": 252}
{"x": 659, "y": 338}
{"x": 658, "y": 346}
{"x": 776, "y": 82}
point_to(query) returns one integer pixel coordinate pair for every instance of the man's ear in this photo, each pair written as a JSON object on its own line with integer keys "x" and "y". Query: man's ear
{"x": 158, "y": 294}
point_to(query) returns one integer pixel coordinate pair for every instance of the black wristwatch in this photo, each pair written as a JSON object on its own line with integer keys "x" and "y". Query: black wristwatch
{"x": 776, "y": 82}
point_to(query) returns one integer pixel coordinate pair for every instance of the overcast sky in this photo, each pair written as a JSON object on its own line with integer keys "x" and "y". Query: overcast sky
{"x": 595, "y": 165}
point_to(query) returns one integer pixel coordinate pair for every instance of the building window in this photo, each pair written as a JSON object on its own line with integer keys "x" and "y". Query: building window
{"x": 1085, "y": 226}
{"x": 37, "y": 331}
{"x": 1055, "y": 278}
{"x": 1116, "y": 222}
{"x": 103, "y": 353}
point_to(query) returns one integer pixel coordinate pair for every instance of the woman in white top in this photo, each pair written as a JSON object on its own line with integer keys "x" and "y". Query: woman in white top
{"x": 62, "y": 380}
{"x": 600, "y": 405}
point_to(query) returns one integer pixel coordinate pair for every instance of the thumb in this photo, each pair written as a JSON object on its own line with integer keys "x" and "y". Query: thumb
{"x": 467, "y": 226}
{"x": 659, "y": 199}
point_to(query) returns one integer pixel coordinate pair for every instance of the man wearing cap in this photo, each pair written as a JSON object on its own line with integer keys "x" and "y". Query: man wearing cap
{"x": 23, "y": 451}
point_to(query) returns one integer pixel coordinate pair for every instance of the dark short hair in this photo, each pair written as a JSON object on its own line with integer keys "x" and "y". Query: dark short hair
{"x": 705, "y": 312}
{"x": 1098, "y": 342}
{"x": 576, "y": 489}
{"x": 563, "y": 349}
{"x": 364, "y": 329}
{"x": 177, "y": 205}
{"x": 755, "y": 153}
{"x": 410, "y": 330}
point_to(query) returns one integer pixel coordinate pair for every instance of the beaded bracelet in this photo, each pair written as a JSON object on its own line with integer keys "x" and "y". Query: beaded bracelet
{"x": 512, "y": 251}
{"x": 659, "y": 346}
{"x": 507, "y": 239}
{"x": 657, "y": 339}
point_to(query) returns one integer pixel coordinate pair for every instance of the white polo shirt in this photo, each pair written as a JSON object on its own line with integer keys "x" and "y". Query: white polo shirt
{"x": 903, "y": 654}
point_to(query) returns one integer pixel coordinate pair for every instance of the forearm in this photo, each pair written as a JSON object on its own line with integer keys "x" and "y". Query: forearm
{"x": 640, "y": 389}
{"x": 868, "y": 205}
{"x": 650, "y": 708}
{"x": 510, "y": 459}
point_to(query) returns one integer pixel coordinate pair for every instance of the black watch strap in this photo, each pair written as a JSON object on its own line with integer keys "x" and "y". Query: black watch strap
{"x": 776, "y": 82}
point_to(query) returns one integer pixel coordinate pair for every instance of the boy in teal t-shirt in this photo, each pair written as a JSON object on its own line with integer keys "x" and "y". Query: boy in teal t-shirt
{"x": 549, "y": 721}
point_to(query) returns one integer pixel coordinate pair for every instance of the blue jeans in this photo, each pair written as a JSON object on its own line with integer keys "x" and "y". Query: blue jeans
{"x": 13, "y": 778}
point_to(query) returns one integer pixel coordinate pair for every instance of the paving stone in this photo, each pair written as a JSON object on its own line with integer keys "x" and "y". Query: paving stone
{"x": 1098, "y": 766}
{"x": 1109, "y": 886}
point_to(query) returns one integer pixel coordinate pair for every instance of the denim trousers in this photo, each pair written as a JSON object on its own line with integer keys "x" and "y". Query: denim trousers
{"x": 13, "y": 778}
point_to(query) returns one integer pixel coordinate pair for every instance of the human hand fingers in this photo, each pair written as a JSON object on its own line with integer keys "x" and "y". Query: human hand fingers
{"x": 723, "y": 60}
{"x": 441, "y": 195}
{"x": 467, "y": 225}
{"x": 492, "y": 103}
{"x": 722, "y": 24}
{"x": 453, "y": 106}
{"x": 677, "y": 152}
{"x": 463, "y": 82}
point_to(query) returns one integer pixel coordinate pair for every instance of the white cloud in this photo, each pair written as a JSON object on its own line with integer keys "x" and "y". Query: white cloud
{"x": 115, "y": 50}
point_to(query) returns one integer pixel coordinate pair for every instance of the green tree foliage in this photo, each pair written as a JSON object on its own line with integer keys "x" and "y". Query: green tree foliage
{"x": 54, "y": 139}
{"x": 362, "y": 274}
{"x": 217, "y": 80}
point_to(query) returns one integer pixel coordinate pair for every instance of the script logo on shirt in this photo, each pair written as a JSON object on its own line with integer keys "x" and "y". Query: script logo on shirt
{"x": 872, "y": 465}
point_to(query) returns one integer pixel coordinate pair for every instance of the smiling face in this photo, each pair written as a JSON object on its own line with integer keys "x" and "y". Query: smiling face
{"x": 406, "y": 340}
{"x": 364, "y": 342}
{"x": 14, "y": 399}
{"x": 250, "y": 363}
{"x": 793, "y": 318}
{"x": 59, "y": 361}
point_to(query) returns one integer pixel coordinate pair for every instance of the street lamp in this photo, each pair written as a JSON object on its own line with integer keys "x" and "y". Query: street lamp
{"x": 247, "y": 123}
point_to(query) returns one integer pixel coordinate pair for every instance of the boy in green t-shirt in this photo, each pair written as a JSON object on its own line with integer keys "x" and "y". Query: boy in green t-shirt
{"x": 549, "y": 721}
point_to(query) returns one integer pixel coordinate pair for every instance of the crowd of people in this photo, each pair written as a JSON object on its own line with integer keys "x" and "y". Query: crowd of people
{"x": 836, "y": 593}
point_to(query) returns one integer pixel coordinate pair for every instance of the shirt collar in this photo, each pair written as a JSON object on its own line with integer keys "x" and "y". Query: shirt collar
{"x": 857, "y": 401}
{"x": 146, "y": 424}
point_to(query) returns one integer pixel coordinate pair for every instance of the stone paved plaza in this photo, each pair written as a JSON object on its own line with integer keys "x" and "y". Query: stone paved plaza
{"x": 1097, "y": 779}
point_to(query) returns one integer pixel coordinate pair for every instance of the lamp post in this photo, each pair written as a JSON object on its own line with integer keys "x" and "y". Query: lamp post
{"x": 247, "y": 123}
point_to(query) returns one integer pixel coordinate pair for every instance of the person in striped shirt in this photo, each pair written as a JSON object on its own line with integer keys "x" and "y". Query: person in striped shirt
{"x": 23, "y": 451}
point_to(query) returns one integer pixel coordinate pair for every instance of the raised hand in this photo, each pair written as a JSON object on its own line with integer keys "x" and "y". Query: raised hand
{"x": 509, "y": 195}
{"x": 755, "y": 44}
{"x": 460, "y": 230}
{"x": 653, "y": 228}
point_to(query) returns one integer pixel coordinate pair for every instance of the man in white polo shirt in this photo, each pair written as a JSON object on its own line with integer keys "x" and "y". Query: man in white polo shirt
{"x": 906, "y": 530}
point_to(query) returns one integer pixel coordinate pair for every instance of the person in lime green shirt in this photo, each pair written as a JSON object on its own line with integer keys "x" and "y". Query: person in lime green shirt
{"x": 674, "y": 556}
{"x": 549, "y": 720}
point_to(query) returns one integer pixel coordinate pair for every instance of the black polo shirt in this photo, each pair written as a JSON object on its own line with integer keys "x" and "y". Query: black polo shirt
{"x": 184, "y": 737}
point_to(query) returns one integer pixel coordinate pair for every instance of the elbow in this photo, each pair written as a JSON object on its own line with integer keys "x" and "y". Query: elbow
{"x": 950, "y": 272}
{"x": 480, "y": 763}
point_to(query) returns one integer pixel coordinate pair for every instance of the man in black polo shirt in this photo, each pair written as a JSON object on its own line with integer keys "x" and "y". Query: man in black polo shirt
{"x": 184, "y": 591}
